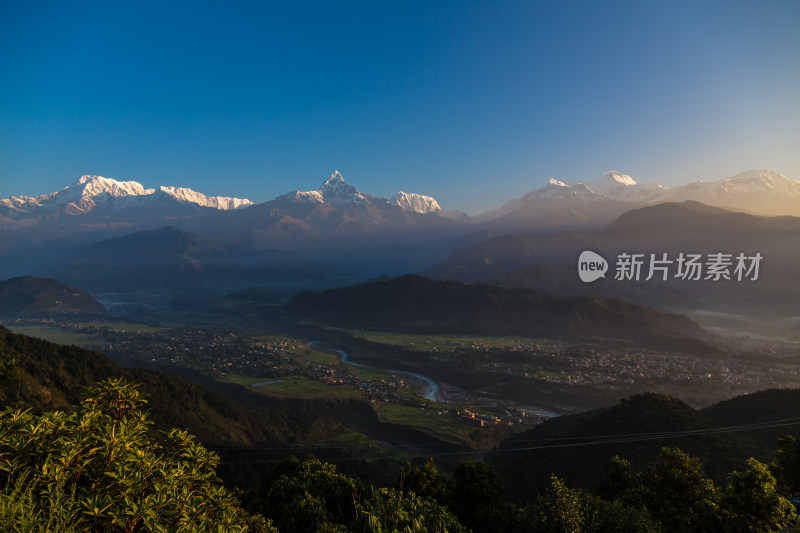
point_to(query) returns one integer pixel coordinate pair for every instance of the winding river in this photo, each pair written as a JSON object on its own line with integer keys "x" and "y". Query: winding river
{"x": 431, "y": 390}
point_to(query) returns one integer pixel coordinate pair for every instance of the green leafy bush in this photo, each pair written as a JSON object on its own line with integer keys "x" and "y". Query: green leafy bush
{"x": 113, "y": 472}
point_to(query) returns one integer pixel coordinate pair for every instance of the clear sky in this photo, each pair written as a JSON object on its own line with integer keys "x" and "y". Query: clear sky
{"x": 473, "y": 103}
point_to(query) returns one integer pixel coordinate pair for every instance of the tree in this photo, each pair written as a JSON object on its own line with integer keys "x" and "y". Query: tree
{"x": 563, "y": 510}
{"x": 477, "y": 497}
{"x": 306, "y": 495}
{"x": 391, "y": 510}
{"x": 558, "y": 510}
{"x": 677, "y": 493}
{"x": 620, "y": 479}
{"x": 118, "y": 474}
{"x": 427, "y": 481}
{"x": 751, "y": 502}
{"x": 786, "y": 467}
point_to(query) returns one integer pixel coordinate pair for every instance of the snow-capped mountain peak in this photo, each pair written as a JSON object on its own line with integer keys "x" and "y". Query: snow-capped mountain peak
{"x": 416, "y": 203}
{"x": 334, "y": 190}
{"x": 619, "y": 186}
{"x": 559, "y": 190}
{"x": 92, "y": 186}
{"x": 614, "y": 177}
{"x": 757, "y": 181}
{"x": 759, "y": 191}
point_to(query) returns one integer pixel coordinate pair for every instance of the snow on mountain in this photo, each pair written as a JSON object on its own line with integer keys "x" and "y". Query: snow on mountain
{"x": 745, "y": 184}
{"x": 416, "y": 203}
{"x": 623, "y": 187}
{"x": 89, "y": 192}
{"x": 337, "y": 191}
{"x": 222, "y": 203}
{"x": 759, "y": 191}
{"x": 334, "y": 190}
{"x": 303, "y": 197}
{"x": 555, "y": 190}
{"x": 558, "y": 190}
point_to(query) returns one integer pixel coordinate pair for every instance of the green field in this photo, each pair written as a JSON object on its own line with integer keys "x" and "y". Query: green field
{"x": 59, "y": 336}
{"x": 295, "y": 387}
{"x": 442, "y": 342}
{"x": 127, "y": 326}
{"x": 445, "y": 427}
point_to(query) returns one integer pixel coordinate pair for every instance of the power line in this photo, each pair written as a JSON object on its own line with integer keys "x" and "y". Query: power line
{"x": 598, "y": 441}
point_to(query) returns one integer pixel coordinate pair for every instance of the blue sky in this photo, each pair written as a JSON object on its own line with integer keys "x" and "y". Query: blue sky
{"x": 471, "y": 102}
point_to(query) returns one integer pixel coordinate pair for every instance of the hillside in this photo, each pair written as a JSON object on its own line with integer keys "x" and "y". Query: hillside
{"x": 50, "y": 376}
{"x": 579, "y": 448}
{"x": 417, "y": 304}
{"x": 29, "y": 295}
{"x": 534, "y": 261}
{"x": 671, "y": 227}
{"x": 175, "y": 261}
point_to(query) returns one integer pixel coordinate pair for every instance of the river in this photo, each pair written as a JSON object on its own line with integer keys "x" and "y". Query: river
{"x": 431, "y": 390}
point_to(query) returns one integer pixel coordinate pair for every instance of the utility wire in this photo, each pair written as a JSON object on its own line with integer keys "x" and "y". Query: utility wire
{"x": 598, "y": 441}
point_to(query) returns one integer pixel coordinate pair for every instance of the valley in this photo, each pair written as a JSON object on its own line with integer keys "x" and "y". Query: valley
{"x": 313, "y": 302}
{"x": 512, "y": 382}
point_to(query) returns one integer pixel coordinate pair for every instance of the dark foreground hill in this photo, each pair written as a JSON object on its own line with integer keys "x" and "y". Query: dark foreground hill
{"x": 417, "y": 304}
{"x": 29, "y": 295}
{"x": 579, "y": 448}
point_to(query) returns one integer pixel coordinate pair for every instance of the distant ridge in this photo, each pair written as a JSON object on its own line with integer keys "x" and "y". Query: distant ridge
{"x": 417, "y": 304}
{"x": 177, "y": 261}
{"x": 31, "y": 296}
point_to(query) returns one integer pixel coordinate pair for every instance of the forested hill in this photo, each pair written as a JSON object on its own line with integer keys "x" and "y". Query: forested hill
{"x": 418, "y": 304}
{"x": 578, "y": 448}
{"x": 29, "y": 295}
{"x": 49, "y": 376}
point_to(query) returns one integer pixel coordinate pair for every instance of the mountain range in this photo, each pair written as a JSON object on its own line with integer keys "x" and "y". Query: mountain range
{"x": 335, "y": 218}
{"x": 757, "y": 191}
{"x": 90, "y": 193}
{"x": 335, "y": 227}
{"x": 588, "y": 205}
